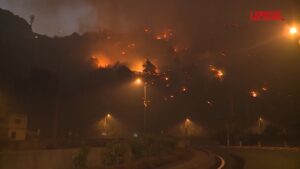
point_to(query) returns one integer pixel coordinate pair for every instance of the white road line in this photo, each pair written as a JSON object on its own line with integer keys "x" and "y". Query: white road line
{"x": 222, "y": 162}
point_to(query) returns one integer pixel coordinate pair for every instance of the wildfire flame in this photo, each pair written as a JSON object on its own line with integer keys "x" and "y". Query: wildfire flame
{"x": 101, "y": 61}
{"x": 253, "y": 93}
{"x": 137, "y": 66}
{"x": 166, "y": 35}
{"x": 218, "y": 72}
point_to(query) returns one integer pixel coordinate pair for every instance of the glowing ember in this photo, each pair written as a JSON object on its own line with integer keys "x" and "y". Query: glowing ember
{"x": 158, "y": 37}
{"x": 147, "y": 30}
{"x": 218, "y": 72}
{"x": 253, "y": 93}
{"x": 264, "y": 89}
{"x": 187, "y": 120}
{"x": 132, "y": 45}
{"x": 209, "y": 103}
{"x": 166, "y": 78}
{"x": 175, "y": 50}
{"x": 166, "y": 35}
{"x": 183, "y": 89}
{"x": 212, "y": 68}
{"x": 172, "y": 96}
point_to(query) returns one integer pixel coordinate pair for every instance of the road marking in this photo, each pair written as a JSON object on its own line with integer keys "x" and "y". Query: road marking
{"x": 222, "y": 162}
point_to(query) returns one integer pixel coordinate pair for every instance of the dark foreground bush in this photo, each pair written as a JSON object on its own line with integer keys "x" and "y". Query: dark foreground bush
{"x": 80, "y": 159}
{"x": 115, "y": 153}
{"x": 137, "y": 148}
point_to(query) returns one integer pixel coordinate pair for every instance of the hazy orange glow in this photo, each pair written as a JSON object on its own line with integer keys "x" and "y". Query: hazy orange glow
{"x": 123, "y": 53}
{"x": 187, "y": 120}
{"x": 158, "y": 37}
{"x": 175, "y": 49}
{"x": 131, "y": 45}
{"x": 137, "y": 66}
{"x": 166, "y": 35}
{"x": 101, "y": 61}
{"x": 183, "y": 89}
{"x": 147, "y": 30}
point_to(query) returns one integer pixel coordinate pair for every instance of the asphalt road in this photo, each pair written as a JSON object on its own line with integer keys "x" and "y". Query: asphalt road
{"x": 200, "y": 160}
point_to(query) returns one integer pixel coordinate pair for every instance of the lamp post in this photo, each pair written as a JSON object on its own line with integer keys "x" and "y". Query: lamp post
{"x": 186, "y": 131}
{"x": 106, "y": 122}
{"x": 186, "y": 127}
{"x": 145, "y": 101}
{"x": 293, "y": 31}
{"x": 260, "y": 122}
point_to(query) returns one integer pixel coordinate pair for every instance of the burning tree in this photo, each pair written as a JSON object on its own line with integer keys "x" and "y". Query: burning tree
{"x": 149, "y": 67}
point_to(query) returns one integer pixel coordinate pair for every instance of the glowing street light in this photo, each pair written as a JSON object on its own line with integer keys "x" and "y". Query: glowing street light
{"x": 260, "y": 122}
{"x": 139, "y": 81}
{"x": 293, "y": 30}
{"x": 187, "y": 122}
{"x": 107, "y": 117}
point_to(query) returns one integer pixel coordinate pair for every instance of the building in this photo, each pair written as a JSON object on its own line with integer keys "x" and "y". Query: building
{"x": 13, "y": 127}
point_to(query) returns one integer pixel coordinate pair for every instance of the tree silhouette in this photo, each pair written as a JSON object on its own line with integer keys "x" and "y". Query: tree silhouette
{"x": 149, "y": 67}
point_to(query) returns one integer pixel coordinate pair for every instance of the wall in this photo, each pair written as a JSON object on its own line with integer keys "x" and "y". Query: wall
{"x": 47, "y": 159}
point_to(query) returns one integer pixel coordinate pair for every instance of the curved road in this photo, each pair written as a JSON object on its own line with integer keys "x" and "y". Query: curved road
{"x": 200, "y": 160}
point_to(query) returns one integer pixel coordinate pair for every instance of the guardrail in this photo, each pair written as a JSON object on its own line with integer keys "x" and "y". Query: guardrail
{"x": 265, "y": 148}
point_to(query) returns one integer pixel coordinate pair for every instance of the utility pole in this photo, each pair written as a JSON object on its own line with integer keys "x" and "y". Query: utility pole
{"x": 145, "y": 106}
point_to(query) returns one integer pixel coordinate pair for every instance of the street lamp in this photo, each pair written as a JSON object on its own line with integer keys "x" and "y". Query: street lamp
{"x": 260, "y": 122}
{"x": 293, "y": 30}
{"x": 187, "y": 122}
{"x": 139, "y": 81}
{"x": 186, "y": 126}
{"x": 107, "y": 117}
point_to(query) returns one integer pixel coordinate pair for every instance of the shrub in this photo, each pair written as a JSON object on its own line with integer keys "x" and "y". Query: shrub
{"x": 115, "y": 153}
{"x": 80, "y": 159}
{"x": 151, "y": 145}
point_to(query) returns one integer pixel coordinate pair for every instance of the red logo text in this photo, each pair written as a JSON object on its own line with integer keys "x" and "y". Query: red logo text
{"x": 266, "y": 16}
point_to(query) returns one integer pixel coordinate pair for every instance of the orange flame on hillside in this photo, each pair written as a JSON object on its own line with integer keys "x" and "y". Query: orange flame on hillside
{"x": 101, "y": 61}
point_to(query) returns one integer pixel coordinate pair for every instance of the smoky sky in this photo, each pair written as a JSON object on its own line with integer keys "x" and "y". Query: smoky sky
{"x": 62, "y": 17}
